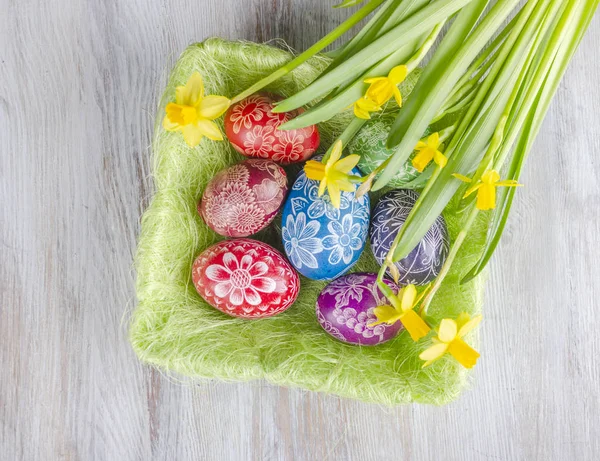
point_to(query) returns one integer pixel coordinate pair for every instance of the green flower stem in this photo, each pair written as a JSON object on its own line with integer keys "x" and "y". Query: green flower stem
{"x": 460, "y": 238}
{"x": 416, "y": 59}
{"x": 347, "y": 135}
{"x": 318, "y": 46}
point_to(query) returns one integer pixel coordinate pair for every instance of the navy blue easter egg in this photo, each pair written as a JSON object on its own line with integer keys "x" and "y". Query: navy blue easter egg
{"x": 423, "y": 263}
{"x": 321, "y": 241}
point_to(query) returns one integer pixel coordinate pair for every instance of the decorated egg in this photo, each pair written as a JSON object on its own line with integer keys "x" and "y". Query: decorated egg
{"x": 424, "y": 262}
{"x": 345, "y": 310}
{"x": 323, "y": 242}
{"x": 252, "y": 129}
{"x": 244, "y": 198}
{"x": 245, "y": 278}
{"x": 370, "y": 144}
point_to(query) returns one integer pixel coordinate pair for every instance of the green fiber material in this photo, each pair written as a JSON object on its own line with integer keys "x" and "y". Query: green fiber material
{"x": 175, "y": 330}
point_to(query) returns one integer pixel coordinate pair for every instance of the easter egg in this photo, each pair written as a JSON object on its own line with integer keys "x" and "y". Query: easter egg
{"x": 245, "y": 278}
{"x": 370, "y": 144}
{"x": 424, "y": 262}
{"x": 345, "y": 310}
{"x": 251, "y": 127}
{"x": 244, "y": 198}
{"x": 323, "y": 242}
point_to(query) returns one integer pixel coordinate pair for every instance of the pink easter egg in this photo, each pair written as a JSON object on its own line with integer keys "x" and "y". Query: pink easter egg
{"x": 244, "y": 198}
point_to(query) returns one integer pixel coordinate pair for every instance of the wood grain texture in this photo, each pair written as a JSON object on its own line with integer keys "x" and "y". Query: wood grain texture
{"x": 78, "y": 87}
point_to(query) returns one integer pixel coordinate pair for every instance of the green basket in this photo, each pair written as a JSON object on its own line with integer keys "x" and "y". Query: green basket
{"x": 175, "y": 330}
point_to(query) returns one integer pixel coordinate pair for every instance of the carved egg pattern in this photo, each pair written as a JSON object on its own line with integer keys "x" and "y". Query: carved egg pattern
{"x": 323, "y": 242}
{"x": 245, "y": 278}
{"x": 244, "y": 198}
{"x": 345, "y": 310}
{"x": 370, "y": 144}
{"x": 423, "y": 263}
{"x": 251, "y": 127}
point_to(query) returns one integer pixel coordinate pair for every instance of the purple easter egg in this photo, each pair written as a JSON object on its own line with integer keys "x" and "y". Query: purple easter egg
{"x": 345, "y": 310}
{"x": 424, "y": 262}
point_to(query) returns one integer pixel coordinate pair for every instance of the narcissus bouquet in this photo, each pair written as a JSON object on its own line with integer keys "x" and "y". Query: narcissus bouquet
{"x": 436, "y": 102}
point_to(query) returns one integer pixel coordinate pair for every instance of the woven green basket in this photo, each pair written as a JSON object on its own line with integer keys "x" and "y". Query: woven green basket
{"x": 175, "y": 330}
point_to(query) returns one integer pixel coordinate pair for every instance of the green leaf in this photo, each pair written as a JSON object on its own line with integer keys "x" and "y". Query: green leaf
{"x": 416, "y": 25}
{"x": 457, "y": 51}
{"x": 531, "y": 128}
{"x": 391, "y": 13}
{"x": 348, "y": 3}
{"x": 475, "y": 130}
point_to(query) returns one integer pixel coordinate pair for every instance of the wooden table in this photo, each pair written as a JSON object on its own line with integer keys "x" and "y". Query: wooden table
{"x": 79, "y": 82}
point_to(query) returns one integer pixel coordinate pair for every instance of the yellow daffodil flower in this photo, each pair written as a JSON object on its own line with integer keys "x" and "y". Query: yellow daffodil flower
{"x": 414, "y": 324}
{"x": 192, "y": 112}
{"x": 333, "y": 174}
{"x": 363, "y": 106}
{"x": 428, "y": 151}
{"x": 486, "y": 188}
{"x": 449, "y": 339}
{"x": 382, "y": 89}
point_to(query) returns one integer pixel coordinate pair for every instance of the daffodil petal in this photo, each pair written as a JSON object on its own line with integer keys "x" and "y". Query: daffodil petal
{"x": 463, "y": 353}
{"x": 433, "y": 140}
{"x": 192, "y": 135}
{"x": 374, "y": 80}
{"x": 447, "y": 331}
{"x": 386, "y": 314}
{"x": 192, "y": 92}
{"x": 345, "y": 185}
{"x": 462, "y": 177}
{"x": 407, "y": 296}
{"x": 336, "y": 153}
{"x": 440, "y": 159}
{"x": 346, "y": 164}
{"x": 212, "y": 107}
{"x": 433, "y": 352}
{"x": 398, "y": 74}
{"x": 209, "y": 129}
{"x": 509, "y": 183}
{"x": 472, "y": 189}
{"x": 322, "y": 187}
{"x": 462, "y": 319}
{"x": 469, "y": 325}
{"x": 414, "y": 324}
{"x": 334, "y": 194}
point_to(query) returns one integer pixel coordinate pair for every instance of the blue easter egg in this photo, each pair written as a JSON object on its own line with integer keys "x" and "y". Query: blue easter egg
{"x": 321, "y": 241}
{"x": 423, "y": 263}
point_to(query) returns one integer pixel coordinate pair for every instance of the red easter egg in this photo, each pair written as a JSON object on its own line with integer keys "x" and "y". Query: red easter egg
{"x": 245, "y": 278}
{"x": 244, "y": 198}
{"x": 251, "y": 127}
